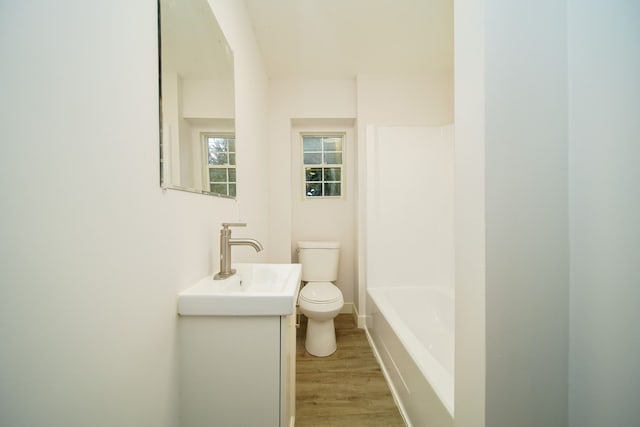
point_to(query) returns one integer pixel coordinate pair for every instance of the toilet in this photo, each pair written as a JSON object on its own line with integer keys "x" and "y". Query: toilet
{"x": 320, "y": 300}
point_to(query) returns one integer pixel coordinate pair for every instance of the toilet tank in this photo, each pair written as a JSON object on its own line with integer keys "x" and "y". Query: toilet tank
{"x": 319, "y": 261}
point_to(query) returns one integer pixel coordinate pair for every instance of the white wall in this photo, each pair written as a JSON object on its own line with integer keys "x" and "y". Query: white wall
{"x": 409, "y": 206}
{"x": 327, "y": 219}
{"x": 469, "y": 214}
{"x": 311, "y": 105}
{"x": 405, "y": 100}
{"x": 93, "y": 252}
{"x": 604, "y": 148}
{"x": 251, "y": 120}
{"x": 380, "y": 100}
{"x": 511, "y": 132}
{"x": 323, "y": 100}
{"x": 526, "y": 190}
{"x": 561, "y": 348}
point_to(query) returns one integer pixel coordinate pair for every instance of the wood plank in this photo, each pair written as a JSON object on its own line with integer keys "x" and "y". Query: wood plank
{"x": 346, "y": 388}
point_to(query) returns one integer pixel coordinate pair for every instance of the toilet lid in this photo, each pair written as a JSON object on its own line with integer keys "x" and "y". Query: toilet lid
{"x": 320, "y": 292}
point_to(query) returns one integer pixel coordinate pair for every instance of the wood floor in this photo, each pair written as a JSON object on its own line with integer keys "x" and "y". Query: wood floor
{"x": 346, "y": 388}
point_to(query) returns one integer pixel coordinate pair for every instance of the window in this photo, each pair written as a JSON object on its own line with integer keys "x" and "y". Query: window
{"x": 322, "y": 162}
{"x": 221, "y": 164}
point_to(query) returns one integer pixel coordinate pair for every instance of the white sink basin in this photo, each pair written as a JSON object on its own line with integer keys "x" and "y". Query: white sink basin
{"x": 255, "y": 290}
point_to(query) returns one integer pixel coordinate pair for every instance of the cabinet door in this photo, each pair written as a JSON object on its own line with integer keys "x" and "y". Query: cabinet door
{"x": 288, "y": 379}
{"x": 230, "y": 371}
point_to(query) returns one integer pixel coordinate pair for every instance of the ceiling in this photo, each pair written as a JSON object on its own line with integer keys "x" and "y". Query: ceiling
{"x": 333, "y": 39}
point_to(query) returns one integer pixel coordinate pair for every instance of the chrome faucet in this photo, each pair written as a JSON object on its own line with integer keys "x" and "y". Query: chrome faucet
{"x": 225, "y": 248}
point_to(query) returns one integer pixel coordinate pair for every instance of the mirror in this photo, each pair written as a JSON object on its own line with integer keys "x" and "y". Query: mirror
{"x": 197, "y": 107}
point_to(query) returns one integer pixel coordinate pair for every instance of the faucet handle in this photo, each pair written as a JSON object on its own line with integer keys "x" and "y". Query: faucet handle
{"x": 226, "y": 225}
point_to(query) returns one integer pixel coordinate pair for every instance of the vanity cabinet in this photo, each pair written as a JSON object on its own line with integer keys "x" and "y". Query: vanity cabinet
{"x": 237, "y": 370}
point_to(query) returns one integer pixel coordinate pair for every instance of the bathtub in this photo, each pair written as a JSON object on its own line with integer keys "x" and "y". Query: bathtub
{"x": 411, "y": 330}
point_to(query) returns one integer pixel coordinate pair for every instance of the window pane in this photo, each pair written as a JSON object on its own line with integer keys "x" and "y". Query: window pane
{"x": 217, "y": 144}
{"x": 218, "y": 158}
{"x": 312, "y": 143}
{"x": 232, "y": 144}
{"x": 314, "y": 189}
{"x": 232, "y": 190}
{"x": 312, "y": 158}
{"x": 232, "y": 174}
{"x": 332, "y": 174}
{"x": 331, "y": 189}
{"x": 217, "y": 175}
{"x": 232, "y": 158}
{"x": 333, "y": 143}
{"x": 313, "y": 174}
{"x": 333, "y": 158}
{"x": 219, "y": 188}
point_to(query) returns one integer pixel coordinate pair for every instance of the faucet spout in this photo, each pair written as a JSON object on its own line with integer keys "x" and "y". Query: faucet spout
{"x": 246, "y": 242}
{"x": 226, "y": 241}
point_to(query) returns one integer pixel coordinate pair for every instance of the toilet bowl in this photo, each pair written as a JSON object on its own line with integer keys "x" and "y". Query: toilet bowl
{"x": 320, "y": 302}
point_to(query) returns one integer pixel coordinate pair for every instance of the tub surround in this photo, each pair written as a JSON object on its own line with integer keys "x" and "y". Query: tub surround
{"x": 417, "y": 355}
{"x": 411, "y": 329}
{"x": 417, "y": 224}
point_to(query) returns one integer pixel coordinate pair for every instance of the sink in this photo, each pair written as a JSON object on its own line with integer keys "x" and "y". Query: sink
{"x": 255, "y": 290}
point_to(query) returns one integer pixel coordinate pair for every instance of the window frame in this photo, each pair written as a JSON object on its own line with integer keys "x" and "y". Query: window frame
{"x": 206, "y": 177}
{"x": 323, "y": 165}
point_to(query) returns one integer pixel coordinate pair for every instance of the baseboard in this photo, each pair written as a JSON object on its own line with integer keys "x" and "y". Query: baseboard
{"x": 348, "y": 308}
{"x": 360, "y": 319}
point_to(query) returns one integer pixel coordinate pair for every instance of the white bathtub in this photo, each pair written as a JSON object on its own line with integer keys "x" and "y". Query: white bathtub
{"x": 411, "y": 329}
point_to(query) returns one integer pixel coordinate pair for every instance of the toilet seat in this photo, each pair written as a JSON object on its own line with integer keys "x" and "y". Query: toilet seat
{"x": 320, "y": 293}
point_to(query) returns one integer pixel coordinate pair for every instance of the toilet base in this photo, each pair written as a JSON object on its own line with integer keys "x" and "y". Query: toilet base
{"x": 320, "y": 340}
